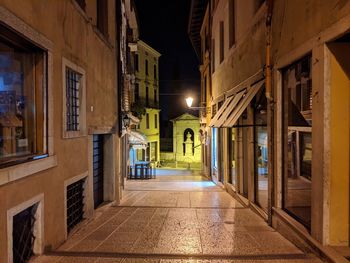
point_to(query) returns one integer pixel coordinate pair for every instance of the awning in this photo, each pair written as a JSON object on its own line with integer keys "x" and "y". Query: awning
{"x": 133, "y": 119}
{"x": 137, "y": 140}
{"x": 219, "y": 113}
{"x": 243, "y": 104}
{"x": 234, "y": 106}
{"x": 226, "y": 109}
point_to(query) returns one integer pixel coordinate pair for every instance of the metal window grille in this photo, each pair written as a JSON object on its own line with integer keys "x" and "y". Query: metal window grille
{"x": 75, "y": 204}
{"x": 22, "y": 235}
{"x": 72, "y": 99}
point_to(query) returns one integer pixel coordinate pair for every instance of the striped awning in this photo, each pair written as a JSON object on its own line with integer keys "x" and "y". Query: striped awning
{"x": 234, "y": 106}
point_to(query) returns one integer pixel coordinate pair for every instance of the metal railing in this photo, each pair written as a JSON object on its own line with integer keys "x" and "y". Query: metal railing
{"x": 142, "y": 170}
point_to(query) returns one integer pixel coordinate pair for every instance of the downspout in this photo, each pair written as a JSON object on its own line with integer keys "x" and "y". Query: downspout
{"x": 270, "y": 111}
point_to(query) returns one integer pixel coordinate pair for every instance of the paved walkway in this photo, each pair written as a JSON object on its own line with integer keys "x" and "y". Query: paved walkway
{"x": 178, "y": 217}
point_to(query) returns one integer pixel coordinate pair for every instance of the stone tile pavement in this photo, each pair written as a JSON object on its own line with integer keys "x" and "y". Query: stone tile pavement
{"x": 196, "y": 223}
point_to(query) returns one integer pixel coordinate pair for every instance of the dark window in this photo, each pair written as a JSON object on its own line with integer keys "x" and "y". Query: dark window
{"x": 155, "y": 97}
{"x": 155, "y": 71}
{"x": 73, "y": 93}
{"x": 220, "y": 103}
{"x": 147, "y": 121}
{"x": 213, "y": 110}
{"x": 75, "y": 204}
{"x": 232, "y": 23}
{"x": 81, "y": 3}
{"x": 98, "y": 169}
{"x": 297, "y": 138}
{"x": 136, "y": 62}
{"x": 147, "y": 96}
{"x": 137, "y": 92}
{"x": 222, "y": 43}
{"x": 102, "y": 17}
{"x": 146, "y": 67}
{"x": 156, "y": 121}
{"x": 22, "y": 98}
{"x": 23, "y": 235}
{"x": 213, "y": 56}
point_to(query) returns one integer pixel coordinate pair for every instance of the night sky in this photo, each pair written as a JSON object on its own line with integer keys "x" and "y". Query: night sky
{"x": 163, "y": 25}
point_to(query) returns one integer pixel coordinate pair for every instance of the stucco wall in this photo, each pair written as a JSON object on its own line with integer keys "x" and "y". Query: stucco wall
{"x": 75, "y": 38}
{"x": 247, "y": 56}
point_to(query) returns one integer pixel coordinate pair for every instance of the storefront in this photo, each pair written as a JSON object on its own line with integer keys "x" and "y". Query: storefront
{"x": 240, "y": 145}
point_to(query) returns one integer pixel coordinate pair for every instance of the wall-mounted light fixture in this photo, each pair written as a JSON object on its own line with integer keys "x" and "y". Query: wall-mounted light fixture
{"x": 126, "y": 121}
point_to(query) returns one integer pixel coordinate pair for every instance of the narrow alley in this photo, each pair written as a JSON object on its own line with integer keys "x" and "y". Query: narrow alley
{"x": 179, "y": 217}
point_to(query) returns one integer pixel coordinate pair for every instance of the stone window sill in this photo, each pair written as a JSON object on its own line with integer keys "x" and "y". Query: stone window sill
{"x": 22, "y": 170}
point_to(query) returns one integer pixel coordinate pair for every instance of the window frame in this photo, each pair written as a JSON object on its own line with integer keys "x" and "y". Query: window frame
{"x": 67, "y": 134}
{"x": 40, "y": 56}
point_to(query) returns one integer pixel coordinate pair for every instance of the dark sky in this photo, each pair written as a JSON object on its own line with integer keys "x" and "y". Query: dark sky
{"x": 163, "y": 25}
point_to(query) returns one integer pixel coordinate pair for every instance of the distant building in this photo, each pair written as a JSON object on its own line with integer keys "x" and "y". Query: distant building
{"x": 186, "y": 139}
{"x": 146, "y": 101}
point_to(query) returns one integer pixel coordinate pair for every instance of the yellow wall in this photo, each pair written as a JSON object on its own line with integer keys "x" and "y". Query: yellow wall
{"x": 340, "y": 131}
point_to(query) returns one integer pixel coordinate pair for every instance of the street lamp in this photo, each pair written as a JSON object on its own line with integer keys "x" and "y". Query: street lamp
{"x": 189, "y": 101}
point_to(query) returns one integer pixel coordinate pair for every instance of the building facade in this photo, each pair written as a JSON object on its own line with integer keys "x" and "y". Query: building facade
{"x": 146, "y": 101}
{"x": 278, "y": 112}
{"x": 59, "y": 143}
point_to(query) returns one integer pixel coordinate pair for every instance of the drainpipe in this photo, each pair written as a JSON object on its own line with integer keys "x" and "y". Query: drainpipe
{"x": 270, "y": 110}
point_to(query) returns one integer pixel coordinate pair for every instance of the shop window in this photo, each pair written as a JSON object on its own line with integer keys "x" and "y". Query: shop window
{"x": 214, "y": 148}
{"x": 297, "y": 108}
{"x": 22, "y": 99}
{"x": 75, "y": 204}
{"x": 261, "y": 153}
{"x": 233, "y": 156}
{"x": 102, "y": 17}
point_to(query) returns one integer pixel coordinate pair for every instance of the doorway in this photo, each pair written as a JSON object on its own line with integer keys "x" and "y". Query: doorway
{"x": 98, "y": 171}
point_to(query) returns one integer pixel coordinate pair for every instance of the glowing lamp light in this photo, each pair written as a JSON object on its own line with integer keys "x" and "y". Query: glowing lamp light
{"x": 189, "y": 101}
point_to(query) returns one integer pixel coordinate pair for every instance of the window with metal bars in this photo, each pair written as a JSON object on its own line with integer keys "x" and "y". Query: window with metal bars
{"x": 72, "y": 99}
{"x": 75, "y": 204}
{"x": 23, "y": 235}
